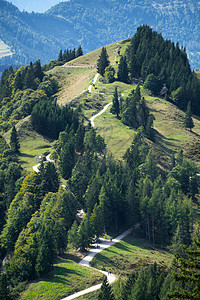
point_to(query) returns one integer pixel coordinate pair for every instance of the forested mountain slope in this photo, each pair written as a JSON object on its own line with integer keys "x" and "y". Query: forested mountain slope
{"x": 94, "y": 24}
{"x": 152, "y": 187}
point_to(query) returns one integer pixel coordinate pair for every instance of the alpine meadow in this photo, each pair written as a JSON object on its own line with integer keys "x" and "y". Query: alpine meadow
{"x": 99, "y": 164}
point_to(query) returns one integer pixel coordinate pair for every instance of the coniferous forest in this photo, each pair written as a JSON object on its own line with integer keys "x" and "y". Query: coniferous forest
{"x": 38, "y": 213}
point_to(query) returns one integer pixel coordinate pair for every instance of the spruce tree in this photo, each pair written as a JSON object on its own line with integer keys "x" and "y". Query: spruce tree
{"x": 79, "y": 51}
{"x": 115, "y": 106}
{"x": 187, "y": 273}
{"x": 102, "y": 62}
{"x": 60, "y": 56}
{"x": 122, "y": 73}
{"x": 188, "y": 122}
{"x": 14, "y": 141}
{"x": 105, "y": 291}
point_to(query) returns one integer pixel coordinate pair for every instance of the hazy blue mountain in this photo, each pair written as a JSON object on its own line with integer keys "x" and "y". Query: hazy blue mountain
{"x": 95, "y": 24}
{"x": 36, "y": 5}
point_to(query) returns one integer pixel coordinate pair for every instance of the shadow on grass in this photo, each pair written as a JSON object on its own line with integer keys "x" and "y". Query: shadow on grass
{"x": 71, "y": 256}
{"x": 59, "y": 275}
{"x": 26, "y": 155}
{"x": 163, "y": 142}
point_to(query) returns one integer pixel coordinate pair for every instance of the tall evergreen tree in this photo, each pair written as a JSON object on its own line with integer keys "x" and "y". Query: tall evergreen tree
{"x": 102, "y": 62}
{"x": 122, "y": 73}
{"x": 14, "y": 141}
{"x": 115, "y": 105}
{"x": 105, "y": 291}
{"x": 187, "y": 273}
{"x": 188, "y": 122}
{"x": 67, "y": 160}
{"x": 60, "y": 56}
{"x": 79, "y": 51}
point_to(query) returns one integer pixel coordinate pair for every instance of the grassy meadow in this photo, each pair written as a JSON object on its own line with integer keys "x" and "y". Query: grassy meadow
{"x": 67, "y": 278}
{"x": 32, "y": 144}
{"x": 76, "y": 76}
{"x": 129, "y": 255}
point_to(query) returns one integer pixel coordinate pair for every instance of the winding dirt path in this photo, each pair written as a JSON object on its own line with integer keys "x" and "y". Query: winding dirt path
{"x": 87, "y": 259}
{"x": 93, "y": 82}
{"x": 101, "y": 112}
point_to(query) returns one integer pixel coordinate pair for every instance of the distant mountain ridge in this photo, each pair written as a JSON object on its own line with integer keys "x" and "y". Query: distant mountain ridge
{"x": 36, "y": 5}
{"x": 95, "y": 24}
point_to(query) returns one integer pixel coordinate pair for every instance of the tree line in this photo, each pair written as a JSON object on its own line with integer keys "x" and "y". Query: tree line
{"x": 164, "y": 68}
{"x": 20, "y": 90}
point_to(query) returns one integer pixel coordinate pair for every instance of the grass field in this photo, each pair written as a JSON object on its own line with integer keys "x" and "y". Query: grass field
{"x": 76, "y": 76}
{"x": 32, "y": 144}
{"x": 171, "y": 135}
{"x": 73, "y": 81}
{"x": 67, "y": 278}
{"x": 130, "y": 254}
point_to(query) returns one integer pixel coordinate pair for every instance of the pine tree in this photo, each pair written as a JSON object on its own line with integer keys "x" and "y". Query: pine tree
{"x": 105, "y": 291}
{"x": 188, "y": 272}
{"x": 67, "y": 160}
{"x": 115, "y": 106}
{"x": 14, "y": 141}
{"x": 60, "y": 56}
{"x": 188, "y": 122}
{"x": 122, "y": 73}
{"x": 37, "y": 69}
{"x": 73, "y": 235}
{"x": 80, "y": 134}
{"x": 102, "y": 62}
{"x": 109, "y": 74}
{"x": 79, "y": 51}
{"x": 96, "y": 221}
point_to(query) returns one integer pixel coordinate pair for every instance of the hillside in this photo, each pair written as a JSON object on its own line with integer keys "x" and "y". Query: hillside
{"x": 95, "y": 24}
{"x": 136, "y": 177}
{"x": 171, "y": 136}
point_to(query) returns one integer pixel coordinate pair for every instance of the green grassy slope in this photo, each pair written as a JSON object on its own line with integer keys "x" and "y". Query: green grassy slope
{"x": 130, "y": 254}
{"x": 32, "y": 144}
{"x": 66, "y": 279}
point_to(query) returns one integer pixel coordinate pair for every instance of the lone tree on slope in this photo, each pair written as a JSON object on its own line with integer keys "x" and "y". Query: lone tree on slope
{"x": 115, "y": 105}
{"x": 102, "y": 62}
{"x": 14, "y": 141}
{"x": 188, "y": 122}
{"x": 105, "y": 291}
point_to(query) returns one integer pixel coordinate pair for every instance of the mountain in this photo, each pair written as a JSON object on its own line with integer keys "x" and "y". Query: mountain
{"x": 95, "y": 24}
{"x": 36, "y": 6}
{"x": 150, "y": 187}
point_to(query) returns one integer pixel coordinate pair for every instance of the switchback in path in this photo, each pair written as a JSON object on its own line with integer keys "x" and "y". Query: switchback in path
{"x": 86, "y": 260}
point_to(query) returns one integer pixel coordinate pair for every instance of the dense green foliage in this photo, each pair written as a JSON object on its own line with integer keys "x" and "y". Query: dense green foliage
{"x": 34, "y": 36}
{"x": 50, "y": 119}
{"x": 163, "y": 64}
{"x": 20, "y": 90}
{"x": 10, "y": 181}
{"x": 14, "y": 141}
{"x": 149, "y": 283}
{"x": 187, "y": 272}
